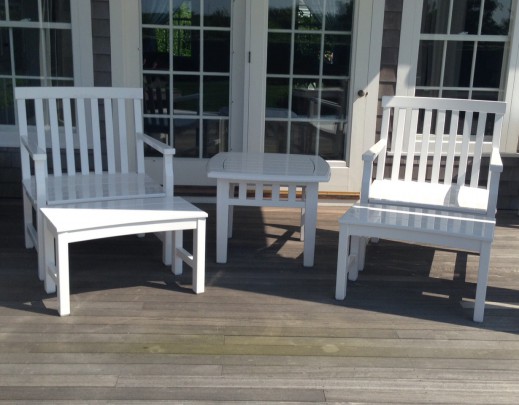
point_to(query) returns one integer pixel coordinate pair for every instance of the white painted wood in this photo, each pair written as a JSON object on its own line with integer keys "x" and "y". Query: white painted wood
{"x": 103, "y": 219}
{"x": 452, "y": 190}
{"x": 270, "y": 171}
{"x": 433, "y": 227}
{"x": 92, "y": 181}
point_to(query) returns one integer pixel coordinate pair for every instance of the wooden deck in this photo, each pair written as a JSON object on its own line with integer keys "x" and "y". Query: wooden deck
{"x": 266, "y": 329}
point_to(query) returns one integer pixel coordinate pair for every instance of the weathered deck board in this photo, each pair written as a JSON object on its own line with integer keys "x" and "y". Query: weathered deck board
{"x": 266, "y": 329}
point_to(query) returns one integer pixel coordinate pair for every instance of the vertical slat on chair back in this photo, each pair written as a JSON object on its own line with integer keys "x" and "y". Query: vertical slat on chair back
{"x": 427, "y": 143}
{"x": 85, "y": 123}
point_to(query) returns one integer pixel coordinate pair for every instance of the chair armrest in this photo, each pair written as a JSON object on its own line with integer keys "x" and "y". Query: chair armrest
{"x": 496, "y": 164}
{"x": 374, "y": 151}
{"x": 35, "y": 152}
{"x": 156, "y": 144}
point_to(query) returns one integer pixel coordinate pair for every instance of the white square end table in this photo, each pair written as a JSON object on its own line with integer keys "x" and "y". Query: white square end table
{"x": 267, "y": 180}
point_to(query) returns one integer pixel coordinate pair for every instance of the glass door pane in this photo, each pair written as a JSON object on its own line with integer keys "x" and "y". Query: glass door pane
{"x": 186, "y": 74}
{"x": 308, "y": 77}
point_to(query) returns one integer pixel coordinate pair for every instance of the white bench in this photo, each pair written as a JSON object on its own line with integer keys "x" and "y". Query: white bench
{"x": 103, "y": 219}
{"x": 83, "y": 144}
{"x": 439, "y": 228}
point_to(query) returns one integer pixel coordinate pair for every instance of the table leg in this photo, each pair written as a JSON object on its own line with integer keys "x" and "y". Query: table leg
{"x": 63, "y": 281}
{"x": 222, "y": 220}
{"x": 481, "y": 288}
{"x": 177, "y": 243}
{"x": 343, "y": 257}
{"x": 310, "y": 224}
{"x": 49, "y": 259}
{"x": 199, "y": 257}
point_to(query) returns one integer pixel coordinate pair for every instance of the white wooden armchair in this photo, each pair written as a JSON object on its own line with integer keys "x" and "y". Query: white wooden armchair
{"x": 81, "y": 144}
{"x": 425, "y": 182}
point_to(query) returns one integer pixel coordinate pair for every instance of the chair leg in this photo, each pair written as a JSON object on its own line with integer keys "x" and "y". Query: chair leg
{"x": 353, "y": 261}
{"x": 343, "y": 257}
{"x": 177, "y": 243}
{"x": 167, "y": 252}
{"x": 481, "y": 288}
{"x": 362, "y": 253}
{"x": 27, "y": 219}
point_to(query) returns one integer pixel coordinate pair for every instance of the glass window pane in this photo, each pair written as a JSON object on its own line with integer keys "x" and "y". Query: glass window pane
{"x": 217, "y": 50}
{"x": 5, "y": 55}
{"x": 455, "y": 94}
{"x": 56, "y": 11}
{"x": 303, "y": 137}
{"x": 186, "y": 94}
{"x": 305, "y": 97}
{"x": 427, "y": 93}
{"x": 186, "y": 50}
{"x": 334, "y": 99}
{"x": 216, "y": 95}
{"x": 336, "y": 57}
{"x": 60, "y": 55}
{"x": 6, "y": 102}
{"x": 435, "y": 16}
{"x": 186, "y": 12}
{"x": 216, "y": 136}
{"x": 496, "y": 17}
{"x": 280, "y": 14}
{"x": 465, "y": 16}
{"x": 331, "y": 139}
{"x": 217, "y": 13}
{"x": 339, "y": 15}
{"x": 485, "y": 95}
{"x": 278, "y": 54}
{"x": 307, "y": 49}
{"x": 27, "y": 51}
{"x": 276, "y": 136}
{"x": 155, "y": 47}
{"x": 309, "y": 15}
{"x": 185, "y": 137}
{"x": 457, "y": 71}
{"x": 155, "y": 12}
{"x": 2, "y": 10}
{"x": 277, "y": 98}
{"x": 23, "y": 10}
{"x": 489, "y": 63}
{"x": 156, "y": 94}
{"x": 428, "y": 71}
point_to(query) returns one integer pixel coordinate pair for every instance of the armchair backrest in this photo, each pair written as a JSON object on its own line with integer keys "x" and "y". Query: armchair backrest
{"x": 83, "y": 129}
{"x": 438, "y": 140}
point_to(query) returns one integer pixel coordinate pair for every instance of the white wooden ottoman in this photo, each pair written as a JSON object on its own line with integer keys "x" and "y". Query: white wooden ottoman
{"x": 103, "y": 219}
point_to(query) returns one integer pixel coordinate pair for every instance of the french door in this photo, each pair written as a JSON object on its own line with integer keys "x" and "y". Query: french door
{"x": 283, "y": 76}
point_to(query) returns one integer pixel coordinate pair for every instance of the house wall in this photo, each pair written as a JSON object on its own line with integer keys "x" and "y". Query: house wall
{"x": 10, "y": 172}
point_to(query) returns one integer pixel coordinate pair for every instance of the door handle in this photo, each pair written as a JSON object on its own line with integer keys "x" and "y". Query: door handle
{"x": 361, "y": 93}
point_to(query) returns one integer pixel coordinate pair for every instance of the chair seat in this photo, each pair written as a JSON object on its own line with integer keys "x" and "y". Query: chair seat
{"x": 429, "y": 195}
{"x": 95, "y": 187}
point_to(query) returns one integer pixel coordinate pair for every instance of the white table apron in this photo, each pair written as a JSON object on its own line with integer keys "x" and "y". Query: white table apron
{"x": 259, "y": 180}
{"x": 464, "y": 232}
{"x": 87, "y": 221}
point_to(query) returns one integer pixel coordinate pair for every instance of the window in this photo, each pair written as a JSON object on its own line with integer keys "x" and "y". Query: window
{"x": 36, "y": 48}
{"x": 463, "y": 49}
{"x": 186, "y": 74}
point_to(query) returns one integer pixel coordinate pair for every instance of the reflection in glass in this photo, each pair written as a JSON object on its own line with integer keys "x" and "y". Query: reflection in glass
{"x": 309, "y": 15}
{"x": 455, "y": 94}
{"x": 307, "y": 50}
{"x": 305, "y": 97}
{"x": 435, "y": 16}
{"x": 217, "y": 50}
{"x": 155, "y": 12}
{"x": 186, "y": 94}
{"x": 6, "y": 104}
{"x": 457, "y": 71}
{"x": 465, "y": 16}
{"x": 155, "y": 48}
{"x": 2, "y": 10}
{"x": 280, "y": 14}
{"x": 278, "y": 53}
{"x": 277, "y": 97}
{"x": 186, "y": 50}
{"x": 485, "y": 95}
{"x": 185, "y": 137}
{"x": 428, "y": 71}
{"x": 216, "y": 136}
{"x": 427, "y": 93}
{"x": 26, "y": 41}
{"x": 303, "y": 137}
{"x": 489, "y": 63}
{"x": 61, "y": 63}
{"x": 336, "y": 55}
{"x": 186, "y": 13}
{"x": 56, "y": 11}
{"x": 339, "y": 15}
{"x": 276, "y": 134}
{"x": 217, "y": 13}
{"x": 334, "y": 99}
{"x": 5, "y": 55}
{"x": 496, "y": 17}
{"x": 216, "y": 95}
{"x": 156, "y": 94}
{"x": 23, "y": 10}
